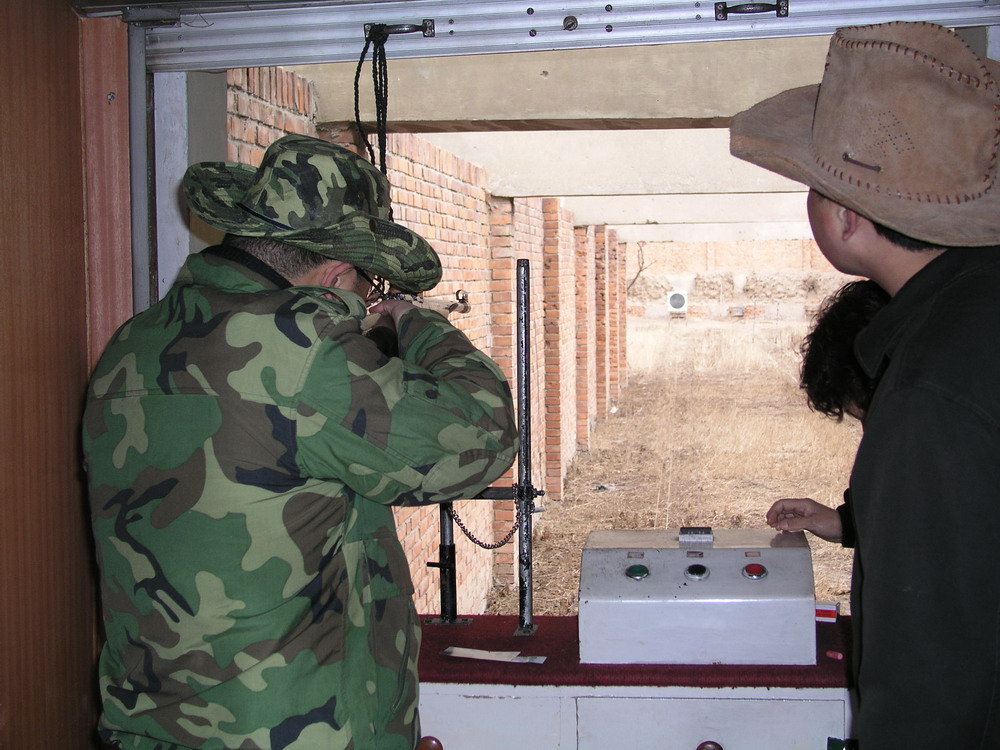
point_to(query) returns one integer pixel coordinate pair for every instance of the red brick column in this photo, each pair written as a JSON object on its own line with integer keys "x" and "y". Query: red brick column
{"x": 621, "y": 309}
{"x": 586, "y": 335}
{"x": 614, "y": 319}
{"x": 560, "y": 343}
{"x": 516, "y": 233}
{"x": 501, "y": 243}
{"x": 602, "y": 310}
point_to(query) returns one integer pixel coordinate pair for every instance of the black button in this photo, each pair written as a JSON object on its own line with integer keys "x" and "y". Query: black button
{"x": 696, "y": 572}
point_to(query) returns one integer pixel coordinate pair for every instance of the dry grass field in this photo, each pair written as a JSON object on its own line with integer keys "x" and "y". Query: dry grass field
{"x": 710, "y": 430}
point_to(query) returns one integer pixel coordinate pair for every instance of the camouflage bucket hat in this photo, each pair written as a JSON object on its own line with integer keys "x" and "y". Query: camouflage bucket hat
{"x": 317, "y": 196}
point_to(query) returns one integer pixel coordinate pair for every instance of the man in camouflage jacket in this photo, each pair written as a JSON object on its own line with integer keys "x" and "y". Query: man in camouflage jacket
{"x": 244, "y": 443}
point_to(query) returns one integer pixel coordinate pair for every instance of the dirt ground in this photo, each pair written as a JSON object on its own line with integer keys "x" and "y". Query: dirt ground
{"x": 709, "y": 431}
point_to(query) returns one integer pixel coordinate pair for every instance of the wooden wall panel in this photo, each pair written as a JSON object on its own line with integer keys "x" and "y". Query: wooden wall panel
{"x": 104, "y": 61}
{"x": 47, "y": 620}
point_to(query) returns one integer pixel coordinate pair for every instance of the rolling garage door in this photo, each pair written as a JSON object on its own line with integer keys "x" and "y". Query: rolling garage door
{"x": 218, "y": 34}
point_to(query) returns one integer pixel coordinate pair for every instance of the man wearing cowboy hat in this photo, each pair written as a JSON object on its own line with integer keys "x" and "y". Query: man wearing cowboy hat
{"x": 899, "y": 145}
{"x": 244, "y": 444}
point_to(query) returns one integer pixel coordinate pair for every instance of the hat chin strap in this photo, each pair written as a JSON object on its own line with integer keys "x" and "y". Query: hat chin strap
{"x": 259, "y": 215}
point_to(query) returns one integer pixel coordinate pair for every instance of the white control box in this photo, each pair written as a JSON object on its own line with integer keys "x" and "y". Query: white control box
{"x": 697, "y": 596}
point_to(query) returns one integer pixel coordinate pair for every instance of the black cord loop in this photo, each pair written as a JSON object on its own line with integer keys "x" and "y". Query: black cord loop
{"x": 376, "y": 38}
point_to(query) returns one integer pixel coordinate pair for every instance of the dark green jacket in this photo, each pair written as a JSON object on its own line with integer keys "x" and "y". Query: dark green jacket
{"x": 244, "y": 443}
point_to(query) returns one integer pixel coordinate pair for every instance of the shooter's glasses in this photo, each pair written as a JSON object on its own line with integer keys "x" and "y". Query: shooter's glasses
{"x": 378, "y": 288}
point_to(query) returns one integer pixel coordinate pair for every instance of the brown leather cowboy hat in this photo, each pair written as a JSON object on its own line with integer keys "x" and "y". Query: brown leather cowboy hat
{"x": 903, "y": 129}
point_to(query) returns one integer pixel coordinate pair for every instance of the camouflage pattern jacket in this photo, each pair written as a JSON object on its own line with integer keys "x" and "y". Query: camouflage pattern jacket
{"x": 243, "y": 445}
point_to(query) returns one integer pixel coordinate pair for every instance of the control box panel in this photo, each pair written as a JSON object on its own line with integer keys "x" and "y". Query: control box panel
{"x": 697, "y": 596}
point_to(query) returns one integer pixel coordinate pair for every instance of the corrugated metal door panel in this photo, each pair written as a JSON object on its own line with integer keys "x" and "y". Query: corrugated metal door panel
{"x": 336, "y": 32}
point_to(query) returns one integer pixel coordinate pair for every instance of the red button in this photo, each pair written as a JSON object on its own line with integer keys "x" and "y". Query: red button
{"x": 754, "y": 570}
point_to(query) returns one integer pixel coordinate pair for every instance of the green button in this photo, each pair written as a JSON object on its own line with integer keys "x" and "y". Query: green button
{"x": 637, "y": 572}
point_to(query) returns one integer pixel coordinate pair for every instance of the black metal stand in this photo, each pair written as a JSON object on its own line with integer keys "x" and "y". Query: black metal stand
{"x": 446, "y": 564}
{"x": 523, "y": 493}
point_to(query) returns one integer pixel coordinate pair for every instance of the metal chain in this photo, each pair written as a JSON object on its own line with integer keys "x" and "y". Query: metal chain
{"x": 485, "y": 545}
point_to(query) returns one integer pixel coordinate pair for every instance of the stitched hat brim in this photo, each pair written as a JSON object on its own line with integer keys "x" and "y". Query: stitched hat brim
{"x": 383, "y": 248}
{"x": 777, "y": 134}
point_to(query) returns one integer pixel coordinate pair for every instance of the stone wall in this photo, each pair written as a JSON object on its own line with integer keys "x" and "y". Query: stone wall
{"x": 776, "y": 279}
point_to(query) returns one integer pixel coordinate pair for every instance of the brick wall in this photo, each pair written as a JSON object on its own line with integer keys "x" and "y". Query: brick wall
{"x": 265, "y": 104}
{"x": 444, "y": 200}
{"x": 574, "y": 303}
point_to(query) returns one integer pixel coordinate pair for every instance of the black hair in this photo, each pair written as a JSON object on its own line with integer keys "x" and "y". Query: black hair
{"x": 897, "y": 238}
{"x": 831, "y": 375}
{"x": 905, "y": 241}
{"x": 288, "y": 260}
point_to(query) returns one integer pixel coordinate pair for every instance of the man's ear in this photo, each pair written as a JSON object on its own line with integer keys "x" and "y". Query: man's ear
{"x": 333, "y": 274}
{"x": 850, "y": 222}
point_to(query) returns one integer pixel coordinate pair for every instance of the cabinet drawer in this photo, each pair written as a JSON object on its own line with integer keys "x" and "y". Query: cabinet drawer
{"x": 685, "y": 723}
{"x": 471, "y": 722}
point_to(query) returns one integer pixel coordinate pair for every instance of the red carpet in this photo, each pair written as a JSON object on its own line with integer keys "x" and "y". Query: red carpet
{"x": 557, "y": 639}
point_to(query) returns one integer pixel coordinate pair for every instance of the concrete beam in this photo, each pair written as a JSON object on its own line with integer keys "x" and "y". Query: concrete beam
{"x": 675, "y": 210}
{"x": 740, "y": 232}
{"x": 705, "y": 82}
{"x": 640, "y": 162}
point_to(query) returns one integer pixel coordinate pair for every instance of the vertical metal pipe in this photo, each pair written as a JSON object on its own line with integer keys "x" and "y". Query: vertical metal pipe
{"x": 446, "y": 566}
{"x": 524, "y": 495}
{"x": 139, "y": 147}
{"x": 448, "y": 573}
